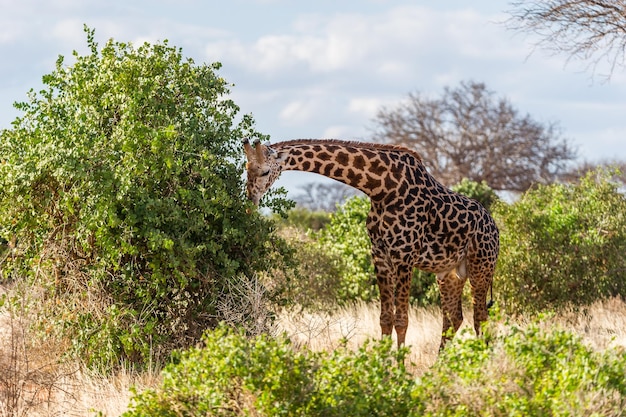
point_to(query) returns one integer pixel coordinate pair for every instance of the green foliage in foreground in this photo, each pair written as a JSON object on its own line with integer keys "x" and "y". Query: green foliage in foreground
{"x": 121, "y": 193}
{"x": 232, "y": 375}
{"x": 524, "y": 372}
{"x": 562, "y": 244}
{"x": 527, "y": 372}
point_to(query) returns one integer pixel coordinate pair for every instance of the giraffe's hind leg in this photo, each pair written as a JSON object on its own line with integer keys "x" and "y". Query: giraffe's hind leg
{"x": 480, "y": 281}
{"x": 451, "y": 288}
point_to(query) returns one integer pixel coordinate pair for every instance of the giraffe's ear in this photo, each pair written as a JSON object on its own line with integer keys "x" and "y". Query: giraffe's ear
{"x": 248, "y": 150}
{"x": 279, "y": 156}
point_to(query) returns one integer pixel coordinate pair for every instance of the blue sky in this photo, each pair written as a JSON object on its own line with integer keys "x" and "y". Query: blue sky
{"x": 324, "y": 68}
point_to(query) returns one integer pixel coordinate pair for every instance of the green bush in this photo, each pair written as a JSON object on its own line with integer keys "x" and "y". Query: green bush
{"x": 562, "y": 244}
{"x": 373, "y": 381}
{"x": 313, "y": 279}
{"x": 520, "y": 372}
{"x": 345, "y": 238}
{"x": 232, "y": 375}
{"x": 121, "y": 195}
{"x": 303, "y": 219}
{"x": 523, "y": 372}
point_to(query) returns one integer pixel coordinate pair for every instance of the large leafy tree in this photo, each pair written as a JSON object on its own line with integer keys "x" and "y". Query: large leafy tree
{"x": 121, "y": 192}
{"x": 470, "y": 133}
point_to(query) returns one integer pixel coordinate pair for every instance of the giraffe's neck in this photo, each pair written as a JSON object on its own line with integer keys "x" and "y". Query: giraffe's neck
{"x": 374, "y": 169}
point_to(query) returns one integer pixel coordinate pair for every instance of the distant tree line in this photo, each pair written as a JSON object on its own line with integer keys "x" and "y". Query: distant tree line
{"x": 469, "y": 133}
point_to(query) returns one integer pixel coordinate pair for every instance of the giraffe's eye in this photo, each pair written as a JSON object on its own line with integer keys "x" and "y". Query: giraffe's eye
{"x": 264, "y": 173}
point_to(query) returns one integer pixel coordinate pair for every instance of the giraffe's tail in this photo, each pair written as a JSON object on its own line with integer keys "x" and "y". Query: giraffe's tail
{"x": 490, "y": 303}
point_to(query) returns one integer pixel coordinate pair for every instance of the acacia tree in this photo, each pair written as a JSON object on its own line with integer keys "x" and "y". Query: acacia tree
{"x": 470, "y": 133}
{"x": 589, "y": 30}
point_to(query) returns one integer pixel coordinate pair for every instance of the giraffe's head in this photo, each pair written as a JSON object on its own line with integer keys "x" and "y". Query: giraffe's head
{"x": 264, "y": 167}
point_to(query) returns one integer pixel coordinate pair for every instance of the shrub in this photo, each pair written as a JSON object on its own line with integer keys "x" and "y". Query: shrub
{"x": 371, "y": 381}
{"x": 121, "y": 195}
{"x": 520, "y": 372}
{"x": 303, "y": 219}
{"x": 232, "y": 375}
{"x": 345, "y": 238}
{"x": 562, "y": 244}
{"x": 523, "y": 372}
{"x": 313, "y": 279}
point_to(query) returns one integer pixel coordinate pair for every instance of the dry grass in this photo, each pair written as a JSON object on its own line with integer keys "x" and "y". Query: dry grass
{"x": 353, "y": 324}
{"x": 602, "y": 326}
{"x": 34, "y": 380}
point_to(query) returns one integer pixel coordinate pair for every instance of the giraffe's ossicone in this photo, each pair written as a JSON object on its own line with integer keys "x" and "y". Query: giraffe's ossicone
{"x": 414, "y": 222}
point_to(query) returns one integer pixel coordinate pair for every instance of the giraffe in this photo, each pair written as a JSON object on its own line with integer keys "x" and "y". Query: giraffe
{"x": 414, "y": 221}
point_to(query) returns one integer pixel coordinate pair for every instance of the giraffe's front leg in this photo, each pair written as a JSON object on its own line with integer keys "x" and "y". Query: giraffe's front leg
{"x": 385, "y": 280}
{"x": 403, "y": 288}
{"x": 451, "y": 289}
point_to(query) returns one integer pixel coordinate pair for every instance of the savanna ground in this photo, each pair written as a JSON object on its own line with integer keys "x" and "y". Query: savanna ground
{"x": 34, "y": 380}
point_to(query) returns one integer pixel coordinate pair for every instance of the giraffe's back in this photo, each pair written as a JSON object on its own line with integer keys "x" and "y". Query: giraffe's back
{"x": 436, "y": 231}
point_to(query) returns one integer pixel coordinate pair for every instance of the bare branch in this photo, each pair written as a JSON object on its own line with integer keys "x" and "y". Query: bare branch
{"x": 618, "y": 168}
{"x": 585, "y": 30}
{"x": 469, "y": 133}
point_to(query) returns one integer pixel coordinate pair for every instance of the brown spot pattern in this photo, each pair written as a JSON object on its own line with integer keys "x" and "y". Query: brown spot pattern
{"x": 414, "y": 221}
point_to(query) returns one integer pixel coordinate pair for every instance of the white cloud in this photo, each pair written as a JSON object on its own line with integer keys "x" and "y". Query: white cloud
{"x": 368, "y": 106}
{"x": 394, "y": 68}
{"x": 10, "y": 31}
{"x": 69, "y": 31}
{"x": 393, "y": 44}
{"x": 14, "y": 21}
{"x": 346, "y": 132}
{"x": 602, "y": 144}
{"x": 299, "y": 111}
{"x": 334, "y": 132}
